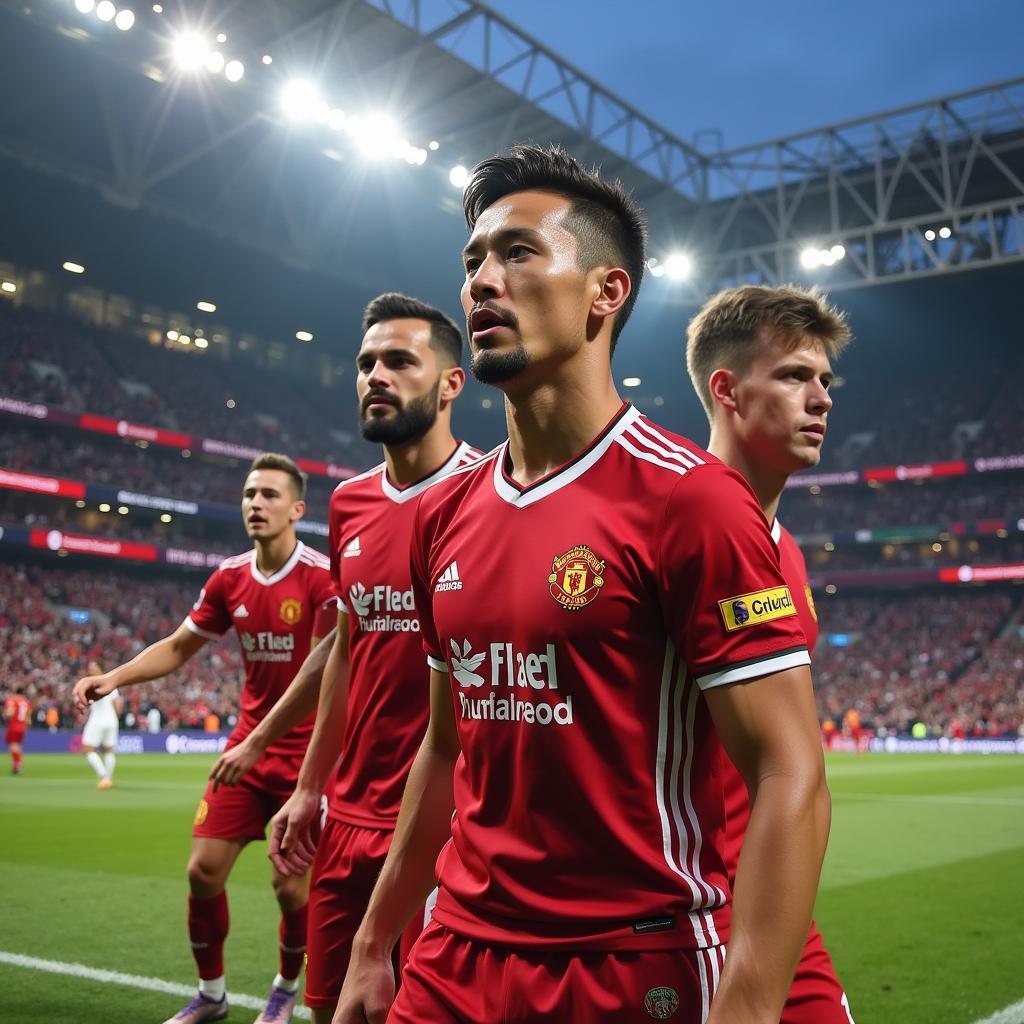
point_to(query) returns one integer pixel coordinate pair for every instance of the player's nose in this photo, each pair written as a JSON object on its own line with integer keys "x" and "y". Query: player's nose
{"x": 488, "y": 280}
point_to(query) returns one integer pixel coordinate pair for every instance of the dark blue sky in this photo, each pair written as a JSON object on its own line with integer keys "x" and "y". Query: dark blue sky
{"x": 760, "y": 70}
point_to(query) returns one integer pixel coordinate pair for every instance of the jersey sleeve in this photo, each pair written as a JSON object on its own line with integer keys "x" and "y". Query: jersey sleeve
{"x": 209, "y": 616}
{"x": 420, "y": 573}
{"x": 326, "y": 604}
{"x": 726, "y": 605}
{"x": 333, "y": 539}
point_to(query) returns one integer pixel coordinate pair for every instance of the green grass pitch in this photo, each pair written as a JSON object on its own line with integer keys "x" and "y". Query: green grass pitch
{"x": 921, "y": 899}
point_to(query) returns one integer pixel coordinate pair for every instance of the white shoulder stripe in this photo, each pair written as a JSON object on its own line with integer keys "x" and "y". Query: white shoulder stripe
{"x": 648, "y": 456}
{"x": 649, "y": 444}
{"x": 654, "y": 432}
{"x": 362, "y": 476}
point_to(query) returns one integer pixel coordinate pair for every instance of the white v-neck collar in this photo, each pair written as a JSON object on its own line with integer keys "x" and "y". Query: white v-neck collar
{"x": 267, "y": 581}
{"x": 403, "y": 494}
{"x": 566, "y": 474}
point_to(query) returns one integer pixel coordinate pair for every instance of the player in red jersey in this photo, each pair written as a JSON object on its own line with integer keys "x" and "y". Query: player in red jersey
{"x": 16, "y": 714}
{"x": 280, "y": 599}
{"x": 408, "y": 378}
{"x": 761, "y": 362}
{"x": 600, "y": 602}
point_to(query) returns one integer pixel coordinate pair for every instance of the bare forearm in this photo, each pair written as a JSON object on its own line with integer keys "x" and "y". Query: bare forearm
{"x": 156, "y": 661}
{"x": 331, "y": 718}
{"x": 299, "y": 701}
{"x": 773, "y": 898}
{"x": 424, "y": 826}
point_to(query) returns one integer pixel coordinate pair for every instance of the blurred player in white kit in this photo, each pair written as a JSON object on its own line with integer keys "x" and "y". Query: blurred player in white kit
{"x": 100, "y": 733}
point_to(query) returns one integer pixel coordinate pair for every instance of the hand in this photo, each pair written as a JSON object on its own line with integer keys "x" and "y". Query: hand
{"x": 294, "y": 833}
{"x": 91, "y": 688}
{"x": 369, "y": 989}
{"x": 234, "y": 763}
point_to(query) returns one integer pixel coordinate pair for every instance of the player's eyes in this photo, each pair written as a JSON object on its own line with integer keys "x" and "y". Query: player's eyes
{"x": 472, "y": 266}
{"x": 517, "y": 251}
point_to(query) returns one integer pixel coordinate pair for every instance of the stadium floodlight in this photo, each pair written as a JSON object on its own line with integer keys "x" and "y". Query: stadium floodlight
{"x": 166, "y": 517}
{"x": 678, "y": 266}
{"x": 9, "y": 286}
{"x": 85, "y": 6}
{"x": 184, "y": 339}
{"x": 336, "y": 120}
{"x": 655, "y": 266}
{"x": 158, "y": 9}
{"x": 434, "y": 145}
{"x": 301, "y": 100}
{"x": 303, "y": 336}
{"x": 122, "y": 509}
{"x": 73, "y": 268}
{"x": 838, "y": 251}
{"x": 202, "y": 343}
{"x": 230, "y": 403}
{"x": 631, "y": 382}
{"x": 810, "y": 259}
{"x": 125, "y": 20}
{"x": 929, "y": 235}
{"x": 104, "y": 507}
{"x": 215, "y": 62}
{"x": 221, "y": 37}
{"x": 377, "y": 136}
{"x": 190, "y": 50}
{"x": 105, "y": 10}
{"x": 267, "y": 59}
{"x": 206, "y": 306}
{"x": 172, "y": 335}
{"x": 233, "y": 70}
{"x": 945, "y": 232}
{"x": 458, "y": 176}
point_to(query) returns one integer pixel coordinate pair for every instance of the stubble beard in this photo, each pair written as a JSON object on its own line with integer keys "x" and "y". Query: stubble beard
{"x": 409, "y": 423}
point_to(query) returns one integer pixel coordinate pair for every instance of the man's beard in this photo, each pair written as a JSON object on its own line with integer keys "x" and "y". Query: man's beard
{"x": 409, "y": 422}
{"x": 497, "y": 367}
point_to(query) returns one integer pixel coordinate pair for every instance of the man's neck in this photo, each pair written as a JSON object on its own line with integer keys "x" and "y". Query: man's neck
{"x": 271, "y": 554}
{"x": 767, "y": 483}
{"x": 550, "y": 424}
{"x": 416, "y": 459}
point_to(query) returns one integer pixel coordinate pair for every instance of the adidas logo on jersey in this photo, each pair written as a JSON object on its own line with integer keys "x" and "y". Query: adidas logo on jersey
{"x": 241, "y": 612}
{"x": 352, "y": 548}
{"x": 449, "y": 579}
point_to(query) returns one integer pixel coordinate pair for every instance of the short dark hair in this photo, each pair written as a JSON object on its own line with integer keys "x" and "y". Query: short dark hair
{"x": 275, "y": 460}
{"x": 608, "y": 224}
{"x": 445, "y": 337}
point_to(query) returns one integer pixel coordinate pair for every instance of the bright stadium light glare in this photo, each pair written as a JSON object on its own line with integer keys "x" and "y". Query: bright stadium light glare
{"x": 215, "y": 62}
{"x": 190, "y": 50}
{"x": 377, "y": 136}
{"x": 336, "y": 120}
{"x": 104, "y": 507}
{"x": 184, "y": 339}
{"x": 172, "y": 335}
{"x": 301, "y": 101}
{"x": 929, "y": 235}
{"x": 9, "y": 286}
{"x": 657, "y": 270}
{"x": 221, "y": 37}
{"x": 434, "y": 145}
{"x": 303, "y": 336}
{"x": 206, "y": 306}
{"x": 123, "y": 509}
{"x": 458, "y": 176}
{"x": 85, "y": 6}
{"x": 678, "y": 266}
{"x": 158, "y": 9}
{"x": 233, "y": 70}
{"x": 810, "y": 258}
{"x": 166, "y": 517}
{"x": 202, "y": 343}
{"x": 267, "y": 59}
{"x": 105, "y": 10}
{"x": 73, "y": 268}
{"x": 838, "y": 251}
{"x": 125, "y": 20}
{"x": 631, "y": 382}
{"x": 945, "y": 232}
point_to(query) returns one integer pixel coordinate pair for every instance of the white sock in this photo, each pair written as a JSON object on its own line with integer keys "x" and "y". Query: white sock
{"x": 288, "y": 984}
{"x": 96, "y": 764}
{"x": 212, "y": 988}
{"x": 109, "y": 761}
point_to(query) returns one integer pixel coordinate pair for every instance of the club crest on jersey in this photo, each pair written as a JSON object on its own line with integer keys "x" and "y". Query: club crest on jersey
{"x": 661, "y": 1002}
{"x": 753, "y": 609}
{"x": 810, "y": 601}
{"x": 291, "y": 610}
{"x": 576, "y": 577}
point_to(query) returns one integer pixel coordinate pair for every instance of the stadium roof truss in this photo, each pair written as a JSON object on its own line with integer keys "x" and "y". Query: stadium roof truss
{"x": 924, "y": 190}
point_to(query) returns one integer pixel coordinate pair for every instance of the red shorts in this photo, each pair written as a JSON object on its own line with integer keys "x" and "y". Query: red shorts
{"x": 240, "y": 813}
{"x": 348, "y": 861}
{"x": 15, "y": 733}
{"x": 452, "y": 980}
{"x": 816, "y": 997}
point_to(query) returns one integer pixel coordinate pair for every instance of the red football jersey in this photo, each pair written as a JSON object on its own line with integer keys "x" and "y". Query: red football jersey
{"x": 371, "y": 530}
{"x": 17, "y": 709}
{"x": 580, "y": 618}
{"x": 275, "y": 618}
{"x": 737, "y": 805}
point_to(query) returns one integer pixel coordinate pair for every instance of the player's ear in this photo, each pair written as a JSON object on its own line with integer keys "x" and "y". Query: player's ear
{"x": 611, "y": 290}
{"x": 298, "y": 511}
{"x": 453, "y": 380}
{"x": 722, "y": 385}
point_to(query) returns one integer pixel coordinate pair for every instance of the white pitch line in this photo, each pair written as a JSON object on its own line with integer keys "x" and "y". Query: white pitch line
{"x": 1008, "y": 1015}
{"x": 172, "y": 988}
{"x": 985, "y": 801}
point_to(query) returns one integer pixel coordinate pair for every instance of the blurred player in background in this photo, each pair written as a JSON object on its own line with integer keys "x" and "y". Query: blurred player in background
{"x": 578, "y": 591}
{"x": 280, "y": 600}
{"x": 760, "y": 361}
{"x": 373, "y": 702}
{"x": 17, "y": 710}
{"x": 100, "y": 733}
